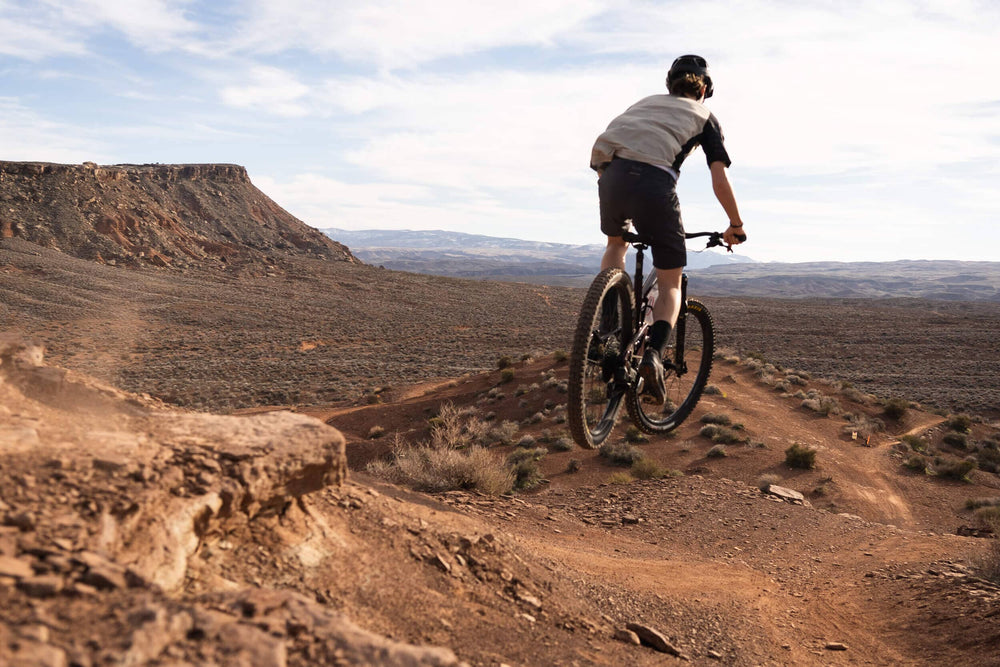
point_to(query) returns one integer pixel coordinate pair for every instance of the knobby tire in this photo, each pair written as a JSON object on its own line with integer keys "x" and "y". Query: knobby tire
{"x": 596, "y": 391}
{"x": 683, "y": 389}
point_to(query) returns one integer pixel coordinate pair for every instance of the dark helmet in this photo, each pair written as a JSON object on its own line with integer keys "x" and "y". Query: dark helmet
{"x": 691, "y": 65}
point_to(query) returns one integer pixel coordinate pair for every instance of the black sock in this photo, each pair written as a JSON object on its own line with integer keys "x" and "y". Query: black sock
{"x": 658, "y": 336}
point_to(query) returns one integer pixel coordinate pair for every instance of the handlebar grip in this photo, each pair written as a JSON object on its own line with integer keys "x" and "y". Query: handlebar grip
{"x": 741, "y": 237}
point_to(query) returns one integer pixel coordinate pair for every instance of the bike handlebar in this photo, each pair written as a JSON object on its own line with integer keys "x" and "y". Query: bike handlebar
{"x": 714, "y": 239}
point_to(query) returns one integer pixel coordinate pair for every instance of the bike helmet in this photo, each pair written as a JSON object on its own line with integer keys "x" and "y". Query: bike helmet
{"x": 691, "y": 64}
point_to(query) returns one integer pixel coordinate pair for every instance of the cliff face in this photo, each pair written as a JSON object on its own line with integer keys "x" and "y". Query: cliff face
{"x": 165, "y": 215}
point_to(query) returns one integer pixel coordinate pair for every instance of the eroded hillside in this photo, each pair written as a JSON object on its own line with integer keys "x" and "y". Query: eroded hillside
{"x": 163, "y": 215}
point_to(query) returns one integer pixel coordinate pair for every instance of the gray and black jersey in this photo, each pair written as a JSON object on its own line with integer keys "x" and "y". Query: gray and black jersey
{"x": 661, "y": 130}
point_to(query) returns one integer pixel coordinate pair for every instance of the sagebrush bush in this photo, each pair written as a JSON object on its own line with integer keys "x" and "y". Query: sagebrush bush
{"x": 620, "y": 478}
{"x": 634, "y": 435}
{"x": 976, "y": 503}
{"x": 915, "y": 442}
{"x": 959, "y": 423}
{"x": 916, "y": 463}
{"x": 561, "y": 444}
{"x": 955, "y": 439}
{"x": 524, "y": 464}
{"x": 717, "y": 452}
{"x": 722, "y": 435}
{"x": 504, "y": 362}
{"x": 957, "y": 469}
{"x": 648, "y": 469}
{"x": 716, "y": 418}
{"x": 502, "y": 433}
{"x": 573, "y": 465}
{"x": 426, "y": 468}
{"x": 712, "y": 390}
{"x": 895, "y": 408}
{"x": 620, "y": 454}
{"x": 764, "y": 482}
{"x": 376, "y": 432}
{"x": 507, "y": 375}
{"x": 800, "y": 456}
{"x": 824, "y": 405}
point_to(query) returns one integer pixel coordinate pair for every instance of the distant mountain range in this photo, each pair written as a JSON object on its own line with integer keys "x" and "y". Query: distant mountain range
{"x": 712, "y": 273}
{"x": 490, "y": 258}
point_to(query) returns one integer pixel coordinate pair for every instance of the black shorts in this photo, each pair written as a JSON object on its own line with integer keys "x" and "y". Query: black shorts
{"x": 647, "y": 196}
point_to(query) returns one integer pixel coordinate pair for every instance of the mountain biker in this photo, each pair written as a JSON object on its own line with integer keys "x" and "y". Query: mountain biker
{"x": 638, "y": 159}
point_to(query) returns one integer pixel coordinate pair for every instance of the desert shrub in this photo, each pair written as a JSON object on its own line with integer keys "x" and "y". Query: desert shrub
{"x": 798, "y": 380}
{"x": 524, "y": 465}
{"x": 958, "y": 469}
{"x": 426, "y": 468}
{"x": 895, "y": 408}
{"x": 824, "y": 405}
{"x": 915, "y": 442}
{"x": 507, "y": 375}
{"x": 573, "y": 466}
{"x": 551, "y": 381}
{"x": 988, "y": 565}
{"x": 800, "y": 456}
{"x": 954, "y": 439}
{"x": 916, "y": 463}
{"x": 560, "y": 356}
{"x": 455, "y": 428}
{"x": 989, "y": 459}
{"x": 959, "y": 423}
{"x": 988, "y": 517}
{"x": 713, "y": 418}
{"x": 722, "y": 435}
{"x": 562, "y": 444}
{"x": 620, "y": 478}
{"x": 525, "y": 442}
{"x": 783, "y": 387}
{"x": 648, "y": 469}
{"x": 502, "y": 433}
{"x": 504, "y": 362}
{"x": 800, "y": 394}
{"x": 717, "y": 452}
{"x": 976, "y": 503}
{"x": 764, "y": 482}
{"x": 712, "y": 390}
{"x": 376, "y": 432}
{"x": 852, "y": 394}
{"x": 620, "y": 454}
{"x": 634, "y": 435}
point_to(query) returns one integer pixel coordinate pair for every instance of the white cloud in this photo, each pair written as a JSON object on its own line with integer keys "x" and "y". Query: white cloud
{"x": 152, "y": 25}
{"x": 392, "y": 34}
{"x": 27, "y": 136}
{"x": 268, "y": 89}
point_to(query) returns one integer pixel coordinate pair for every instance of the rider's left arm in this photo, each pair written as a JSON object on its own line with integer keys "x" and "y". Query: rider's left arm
{"x": 724, "y": 193}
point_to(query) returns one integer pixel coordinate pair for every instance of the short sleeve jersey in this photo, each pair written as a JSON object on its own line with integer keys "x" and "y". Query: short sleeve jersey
{"x": 661, "y": 130}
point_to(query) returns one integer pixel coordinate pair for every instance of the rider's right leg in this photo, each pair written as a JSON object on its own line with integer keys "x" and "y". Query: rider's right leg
{"x": 614, "y": 253}
{"x": 665, "y": 311}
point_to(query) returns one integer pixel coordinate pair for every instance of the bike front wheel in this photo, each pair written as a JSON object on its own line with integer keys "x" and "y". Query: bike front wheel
{"x": 686, "y": 370}
{"x": 596, "y": 385}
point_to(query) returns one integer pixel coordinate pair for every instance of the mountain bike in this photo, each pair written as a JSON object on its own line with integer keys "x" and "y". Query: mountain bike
{"x": 610, "y": 338}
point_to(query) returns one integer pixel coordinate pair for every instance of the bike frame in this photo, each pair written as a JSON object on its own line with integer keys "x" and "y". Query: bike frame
{"x": 643, "y": 307}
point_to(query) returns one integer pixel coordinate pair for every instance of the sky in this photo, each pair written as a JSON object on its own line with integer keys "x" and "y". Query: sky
{"x": 859, "y": 131}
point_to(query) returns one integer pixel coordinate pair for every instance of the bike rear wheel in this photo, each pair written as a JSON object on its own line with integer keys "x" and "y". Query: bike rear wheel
{"x": 686, "y": 371}
{"x": 596, "y": 385}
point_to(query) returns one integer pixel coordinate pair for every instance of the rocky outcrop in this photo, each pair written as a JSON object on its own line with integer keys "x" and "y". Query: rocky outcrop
{"x": 105, "y": 499}
{"x": 163, "y": 215}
